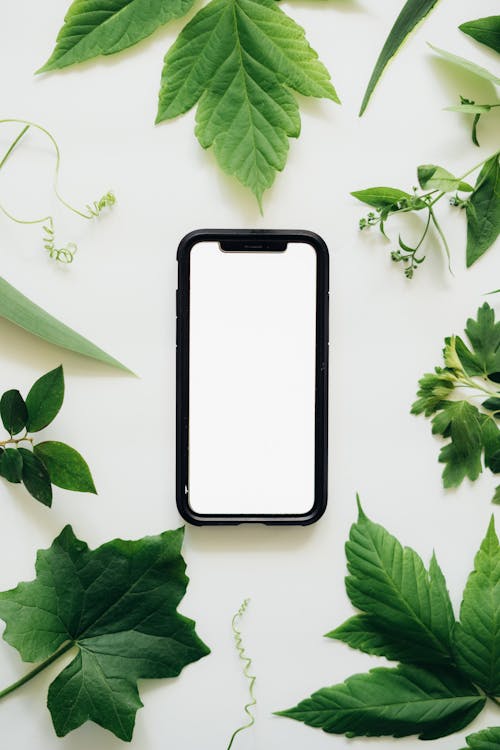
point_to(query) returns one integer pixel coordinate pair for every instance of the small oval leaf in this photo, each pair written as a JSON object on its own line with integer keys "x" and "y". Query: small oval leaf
{"x": 11, "y": 465}
{"x": 13, "y": 412}
{"x": 45, "y": 399}
{"x": 36, "y": 477}
{"x": 66, "y": 467}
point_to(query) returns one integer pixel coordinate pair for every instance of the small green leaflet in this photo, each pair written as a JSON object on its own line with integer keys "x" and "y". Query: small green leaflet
{"x": 13, "y": 412}
{"x": 412, "y": 13}
{"x": 21, "y": 311}
{"x": 483, "y": 211}
{"x": 484, "y": 30}
{"x": 488, "y": 739}
{"x": 66, "y": 467}
{"x": 240, "y": 59}
{"x": 407, "y": 614}
{"x": 115, "y": 608}
{"x": 477, "y": 635}
{"x": 103, "y": 27}
{"x": 45, "y": 399}
{"x": 471, "y": 67}
{"x": 470, "y": 426}
{"x": 432, "y": 177}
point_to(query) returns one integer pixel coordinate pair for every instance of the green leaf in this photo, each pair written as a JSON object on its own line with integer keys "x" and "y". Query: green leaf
{"x": 66, "y": 467}
{"x": 461, "y": 422}
{"x": 103, "y": 27}
{"x": 470, "y": 362}
{"x": 35, "y": 477}
{"x": 239, "y": 59}
{"x": 412, "y": 13}
{"x": 477, "y": 636}
{"x": 13, "y": 412}
{"x": 484, "y": 30}
{"x": 471, "y": 109}
{"x": 392, "y": 702}
{"x": 491, "y": 440}
{"x": 468, "y": 65}
{"x": 432, "y": 177}
{"x": 488, "y": 739}
{"x": 496, "y": 497}
{"x": 484, "y": 335}
{"x": 407, "y": 606}
{"x": 11, "y": 465}
{"x": 117, "y": 607}
{"x": 21, "y": 311}
{"x": 45, "y": 399}
{"x": 483, "y": 211}
{"x": 434, "y": 389}
{"x": 382, "y": 197}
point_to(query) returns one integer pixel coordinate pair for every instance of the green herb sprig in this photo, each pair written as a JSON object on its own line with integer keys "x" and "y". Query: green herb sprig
{"x": 448, "y": 669}
{"x": 64, "y": 253}
{"x": 39, "y": 465}
{"x": 463, "y": 399}
{"x": 481, "y": 204}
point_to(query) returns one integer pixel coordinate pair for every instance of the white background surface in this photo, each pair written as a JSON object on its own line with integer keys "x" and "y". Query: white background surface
{"x": 120, "y": 292}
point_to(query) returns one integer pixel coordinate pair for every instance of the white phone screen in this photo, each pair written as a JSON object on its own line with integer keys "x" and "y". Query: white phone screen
{"x": 252, "y": 342}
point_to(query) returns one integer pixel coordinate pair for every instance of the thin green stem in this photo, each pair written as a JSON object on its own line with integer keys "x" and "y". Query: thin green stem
{"x": 443, "y": 238}
{"x": 29, "y": 676}
{"x": 13, "y": 145}
{"x": 481, "y": 164}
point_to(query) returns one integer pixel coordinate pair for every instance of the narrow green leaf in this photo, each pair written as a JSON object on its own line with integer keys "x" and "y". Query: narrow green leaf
{"x": 381, "y": 197}
{"x": 66, "y": 467}
{"x": 240, "y": 59}
{"x": 468, "y": 65}
{"x": 103, "y": 27}
{"x": 45, "y": 399}
{"x": 13, "y": 412}
{"x": 408, "y": 606}
{"x": 483, "y": 211}
{"x": 412, "y": 13}
{"x": 36, "y": 478}
{"x": 471, "y": 109}
{"x": 484, "y": 30}
{"x": 432, "y": 177}
{"x": 11, "y": 465}
{"x": 477, "y": 636}
{"x": 21, "y": 311}
{"x": 392, "y": 702}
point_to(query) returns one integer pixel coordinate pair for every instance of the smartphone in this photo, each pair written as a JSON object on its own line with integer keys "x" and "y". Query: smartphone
{"x": 252, "y": 377}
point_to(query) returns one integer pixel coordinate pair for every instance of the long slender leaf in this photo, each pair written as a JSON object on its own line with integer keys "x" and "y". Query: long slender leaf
{"x": 413, "y": 12}
{"x": 21, "y": 311}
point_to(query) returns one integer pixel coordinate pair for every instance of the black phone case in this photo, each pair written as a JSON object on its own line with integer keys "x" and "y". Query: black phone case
{"x": 252, "y": 240}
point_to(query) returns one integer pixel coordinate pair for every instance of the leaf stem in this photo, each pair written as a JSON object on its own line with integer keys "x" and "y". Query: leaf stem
{"x": 481, "y": 164}
{"x": 15, "y": 441}
{"x": 443, "y": 238}
{"x": 13, "y": 145}
{"x": 29, "y": 676}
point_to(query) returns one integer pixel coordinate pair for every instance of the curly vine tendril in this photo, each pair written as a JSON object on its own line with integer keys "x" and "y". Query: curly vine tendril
{"x": 247, "y": 664}
{"x": 66, "y": 253}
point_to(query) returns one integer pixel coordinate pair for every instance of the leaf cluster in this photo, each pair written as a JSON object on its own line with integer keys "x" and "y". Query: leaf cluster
{"x": 115, "y": 609}
{"x": 463, "y": 399}
{"x": 481, "y": 204}
{"x": 41, "y": 465}
{"x": 447, "y": 668}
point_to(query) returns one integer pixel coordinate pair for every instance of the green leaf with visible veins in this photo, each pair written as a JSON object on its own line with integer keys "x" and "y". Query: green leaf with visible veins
{"x": 483, "y": 211}
{"x": 413, "y": 12}
{"x": 477, "y": 636}
{"x": 116, "y": 606}
{"x": 11, "y": 465}
{"x": 392, "y": 702}
{"x": 460, "y": 421}
{"x": 433, "y": 177}
{"x": 66, "y": 467}
{"x": 467, "y": 65}
{"x": 45, "y": 399}
{"x": 13, "y": 412}
{"x": 36, "y": 477}
{"x": 484, "y": 335}
{"x": 240, "y": 59}
{"x": 484, "y": 30}
{"x": 103, "y": 27}
{"x": 381, "y": 197}
{"x": 407, "y": 609}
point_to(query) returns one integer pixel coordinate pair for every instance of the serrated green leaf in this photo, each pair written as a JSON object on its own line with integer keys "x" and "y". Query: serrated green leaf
{"x": 382, "y": 197}
{"x": 483, "y": 211}
{"x": 488, "y": 739}
{"x": 468, "y": 65}
{"x": 469, "y": 361}
{"x": 11, "y": 465}
{"x": 392, "y": 702}
{"x": 13, "y": 412}
{"x": 477, "y": 636}
{"x": 409, "y": 607}
{"x": 413, "y": 12}
{"x": 434, "y": 389}
{"x": 462, "y": 455}
{"x": 484, "y": 335}
{"x": 239, "y": 59}
{"x": 484, "y": 30}
{"x": 103, "y": 27}
{"x": 66, "y": 467}
{"x": 45, "y": 399}
{"x": 21, "y": 311}
{"x": 432, "y": 177}
{"x": 117, "y": 606}
{"x": 36, "y": 478}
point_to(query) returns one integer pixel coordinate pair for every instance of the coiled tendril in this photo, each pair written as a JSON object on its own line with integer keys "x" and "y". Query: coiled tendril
{"x": 247, "y": 664}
